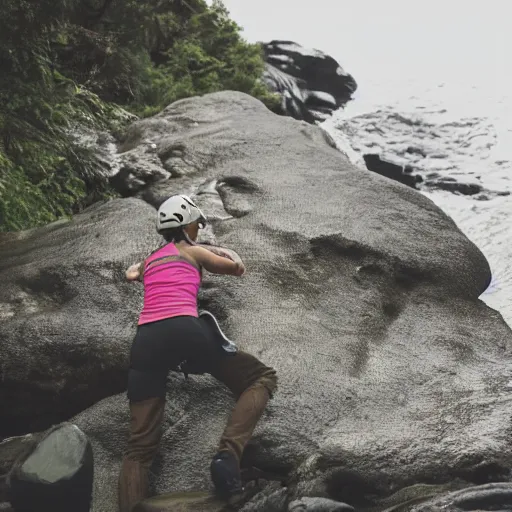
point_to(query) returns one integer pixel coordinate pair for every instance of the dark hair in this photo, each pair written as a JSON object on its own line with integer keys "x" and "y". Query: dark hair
{"x": 174, "y": 235}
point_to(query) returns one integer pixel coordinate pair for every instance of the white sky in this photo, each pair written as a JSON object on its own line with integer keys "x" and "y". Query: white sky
{"x": 464, "y": 39}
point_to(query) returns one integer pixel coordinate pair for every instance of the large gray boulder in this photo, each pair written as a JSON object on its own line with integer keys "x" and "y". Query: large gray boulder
{"x": 67, "y": 316}
{"x": 359, "y": 291}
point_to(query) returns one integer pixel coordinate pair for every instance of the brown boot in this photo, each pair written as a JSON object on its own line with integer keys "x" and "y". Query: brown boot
{"x": 133, "y": 484}
{"x": 225, "y": 466}
{"x": 253, "y": 384}
{"x": 145, "y": 434}
{"x": 244, "y": 417}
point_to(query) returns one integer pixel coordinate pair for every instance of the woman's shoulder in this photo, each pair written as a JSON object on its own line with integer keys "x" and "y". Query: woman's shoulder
{"x": 191, "y": 253}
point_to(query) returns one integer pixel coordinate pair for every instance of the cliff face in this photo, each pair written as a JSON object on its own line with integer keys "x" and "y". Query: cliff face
{"x": 312, "y": 84}
{"x": 359, "y": 291}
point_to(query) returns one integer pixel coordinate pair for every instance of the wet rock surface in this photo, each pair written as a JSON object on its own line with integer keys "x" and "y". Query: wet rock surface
{"x": 359, "y": 291}
{"x": 432, "y": 152}
{"x": 312, "y": 84}
{"x": 318, "y": 505}
{"x": 183, "y": 502}
{"x": 494, "y": 496}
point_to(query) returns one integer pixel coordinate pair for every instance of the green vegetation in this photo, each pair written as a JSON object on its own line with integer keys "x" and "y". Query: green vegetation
{"x": 68, "y": 66}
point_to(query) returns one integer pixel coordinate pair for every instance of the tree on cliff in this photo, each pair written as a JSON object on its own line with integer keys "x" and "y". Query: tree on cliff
{"x": 68, "y": 63}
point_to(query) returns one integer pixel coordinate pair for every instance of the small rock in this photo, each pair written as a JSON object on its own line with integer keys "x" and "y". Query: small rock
{"x": 391, "y": 170}
{"x": 57, "y": 475}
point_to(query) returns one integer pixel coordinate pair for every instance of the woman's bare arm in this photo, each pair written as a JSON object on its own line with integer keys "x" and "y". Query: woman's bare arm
{"x": 214, "y": 263}
{"x": 222, "y": 251}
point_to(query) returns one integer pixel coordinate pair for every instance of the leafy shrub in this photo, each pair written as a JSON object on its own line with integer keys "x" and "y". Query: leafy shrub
{"x": 68, "y": 65}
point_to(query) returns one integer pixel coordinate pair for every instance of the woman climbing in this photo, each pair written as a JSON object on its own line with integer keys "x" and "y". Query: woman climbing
{"x": 169, "y": 333}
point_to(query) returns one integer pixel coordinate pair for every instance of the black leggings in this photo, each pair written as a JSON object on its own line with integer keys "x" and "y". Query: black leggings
{"x": 162, "y": 346}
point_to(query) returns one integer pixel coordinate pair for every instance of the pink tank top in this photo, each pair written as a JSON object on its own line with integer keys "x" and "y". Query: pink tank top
{"x": 170, "y": 286}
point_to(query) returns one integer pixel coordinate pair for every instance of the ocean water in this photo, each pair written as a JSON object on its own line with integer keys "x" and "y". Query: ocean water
{"x": 454, "y": 130}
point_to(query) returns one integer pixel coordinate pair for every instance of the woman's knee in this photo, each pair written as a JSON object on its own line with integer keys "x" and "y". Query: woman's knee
{"x": 261, "y": 375}
{"x": 268, "y": 379}
{"x": 242, "y": 371}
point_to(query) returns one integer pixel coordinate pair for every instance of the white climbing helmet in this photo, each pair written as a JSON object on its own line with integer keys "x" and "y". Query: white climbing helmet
{"x": 178, "y": 211}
